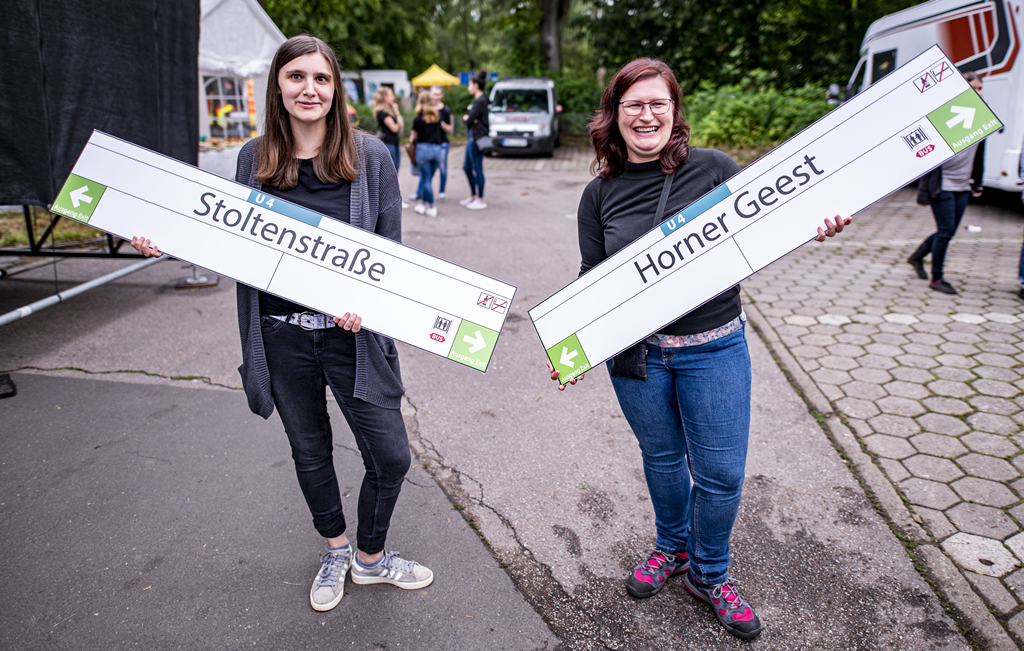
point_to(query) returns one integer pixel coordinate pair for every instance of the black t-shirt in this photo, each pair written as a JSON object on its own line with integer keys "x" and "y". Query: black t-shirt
{"x": 614, "y": 212}
{"x": 331, "y": 199}
{"x": 428, "y": 133}
{"x": 446, "y": 117}
{"x": 390, "y": 137}
{"x": 478, "y": 121}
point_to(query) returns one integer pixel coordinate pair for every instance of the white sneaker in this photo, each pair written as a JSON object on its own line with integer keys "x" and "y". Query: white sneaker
{"x": 406, "y": 574}
{"x": 441, "y": 196}
{"x": 414, "y": 197}
{"x": 404, "y": 205}
{"x": 432, "y": 212}
{"x": 467, "y": 201}
{"x": 420, "y": 208}
{"x": 329, "y": 584}
{"x": 478, "y": 204}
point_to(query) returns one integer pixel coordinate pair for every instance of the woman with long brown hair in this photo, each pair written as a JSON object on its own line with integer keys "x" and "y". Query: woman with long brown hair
{"x": 685, "y": 391}
{"x": 309, "y": 155}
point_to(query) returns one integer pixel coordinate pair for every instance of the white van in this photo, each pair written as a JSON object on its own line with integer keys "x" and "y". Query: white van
{"x": 524, "y": 116}
{"x": 982, "y": 37}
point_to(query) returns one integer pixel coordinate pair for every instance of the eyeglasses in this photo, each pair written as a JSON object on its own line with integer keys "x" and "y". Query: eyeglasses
{"x": 658, "y": 106}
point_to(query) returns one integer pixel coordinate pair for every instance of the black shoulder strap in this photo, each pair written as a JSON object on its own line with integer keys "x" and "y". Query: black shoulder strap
{"x": 664, "y": 198}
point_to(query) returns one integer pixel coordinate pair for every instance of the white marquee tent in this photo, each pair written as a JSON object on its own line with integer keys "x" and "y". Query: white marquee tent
{"x": 237, "y": 41}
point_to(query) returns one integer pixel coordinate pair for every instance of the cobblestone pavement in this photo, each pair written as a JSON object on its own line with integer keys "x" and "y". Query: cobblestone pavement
{"x": 567, "y": 158}
{"x": 931, "y": 385}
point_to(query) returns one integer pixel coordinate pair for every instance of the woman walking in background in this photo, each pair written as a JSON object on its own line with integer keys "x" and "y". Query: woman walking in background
{"x": 947, "y": 189}
{"x": 427, "y": 135}
{"x": 310, "y": 155}
{"x": 477, "y": 126}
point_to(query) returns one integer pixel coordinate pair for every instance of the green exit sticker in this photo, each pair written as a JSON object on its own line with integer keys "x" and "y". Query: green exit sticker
{"x": 473, "y": 345}
{"x": 568, "y": 358}
{"x": 964, "y": 121}
{"x": 78, "y": 198}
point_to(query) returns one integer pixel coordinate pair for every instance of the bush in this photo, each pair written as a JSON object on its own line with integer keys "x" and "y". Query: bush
{"x": 367, "y": 121}
{"x": 580, "y": 99}
{"x": 752, "y": 113}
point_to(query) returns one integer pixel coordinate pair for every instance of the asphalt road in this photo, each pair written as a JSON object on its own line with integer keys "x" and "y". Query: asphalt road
{"x": 552, "y": 481}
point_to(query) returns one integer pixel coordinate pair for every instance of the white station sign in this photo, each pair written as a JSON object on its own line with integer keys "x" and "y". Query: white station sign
{"x": 281, "y": 248}
{"x": 906, "y": 124}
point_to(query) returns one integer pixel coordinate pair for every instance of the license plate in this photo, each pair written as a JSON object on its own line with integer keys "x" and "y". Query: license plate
{"x": 514, "y": 142}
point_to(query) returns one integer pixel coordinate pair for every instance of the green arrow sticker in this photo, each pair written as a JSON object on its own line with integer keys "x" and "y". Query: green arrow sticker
{"x": 78, "y": 198}
{"x": 473, "y": 345}
{"x": 568, "y": 358}
{"x": 964, "y": 121}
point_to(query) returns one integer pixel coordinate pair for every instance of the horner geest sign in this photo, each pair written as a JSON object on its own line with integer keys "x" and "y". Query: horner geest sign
{"x": 869, "y": 147}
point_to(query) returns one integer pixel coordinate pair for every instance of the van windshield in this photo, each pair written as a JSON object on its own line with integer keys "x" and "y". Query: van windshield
{"x": 857, "y": 81}
{"x": 520, "y": 100}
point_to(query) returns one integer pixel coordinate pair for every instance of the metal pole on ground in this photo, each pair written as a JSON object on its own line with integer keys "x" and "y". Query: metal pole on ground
{"x": 76, "y": 290}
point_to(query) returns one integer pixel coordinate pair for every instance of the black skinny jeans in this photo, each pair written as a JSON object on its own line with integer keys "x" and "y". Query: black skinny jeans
{"x": 302, "y": 364}
{"x": 948, "y": 208}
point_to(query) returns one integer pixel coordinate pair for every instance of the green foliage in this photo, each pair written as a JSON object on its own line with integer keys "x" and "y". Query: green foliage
{"x": 578, "y": 95}
{"x": 517, "y": 28}
{"x": 580, "y": 98}
{"x": 801, "y": 41}
{"x": 365, "y": 33}
{"x": 462, "y": 28}
{"x": 752, "y": 113}
{"x": 367, "y": 120}
{"x": 458, "y": 100}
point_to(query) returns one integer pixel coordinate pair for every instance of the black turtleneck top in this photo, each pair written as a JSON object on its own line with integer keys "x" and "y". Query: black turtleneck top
{"x": 613, "y": 212}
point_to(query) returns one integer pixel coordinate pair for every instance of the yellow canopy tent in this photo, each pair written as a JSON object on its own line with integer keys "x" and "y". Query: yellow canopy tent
{"x": 434, "y": 75}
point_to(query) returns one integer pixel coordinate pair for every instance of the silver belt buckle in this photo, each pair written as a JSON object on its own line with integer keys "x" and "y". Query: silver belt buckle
{"x": 312, "y": 318}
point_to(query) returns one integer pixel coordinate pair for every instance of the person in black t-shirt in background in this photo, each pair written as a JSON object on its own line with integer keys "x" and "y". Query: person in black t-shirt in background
{"x": 428, "y": 136}
{"x": 437, "y": 93}
{"x": 389, "y": 122}
{"x": 477, "y": 126}
{"x": 946, "y": 189}
{"x": 685, "y": 391}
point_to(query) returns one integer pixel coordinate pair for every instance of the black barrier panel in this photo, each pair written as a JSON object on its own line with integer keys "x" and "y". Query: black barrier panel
{"x": 126, "y": 67}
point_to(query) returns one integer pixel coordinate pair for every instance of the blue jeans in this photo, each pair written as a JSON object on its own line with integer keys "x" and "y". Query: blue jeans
{"x": 302, "y": 364}
{"x": 948, "y": 209}
{"x": 692, "y": 420}
{"x": 1020, "y": 272}
{"x": 428, "y": 159}
{"x": 474, "y": 168}
{"x": 396, "y": 154}
{"x": 443, "y": 170}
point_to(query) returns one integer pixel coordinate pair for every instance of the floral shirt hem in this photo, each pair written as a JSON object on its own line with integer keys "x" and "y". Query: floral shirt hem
{"x": 683, "y": 341}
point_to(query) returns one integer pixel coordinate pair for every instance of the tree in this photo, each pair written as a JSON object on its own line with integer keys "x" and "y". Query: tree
{"x": 554, "y": 14}
{"x": 797, "y": 41}
{"x": 365, "y": 33}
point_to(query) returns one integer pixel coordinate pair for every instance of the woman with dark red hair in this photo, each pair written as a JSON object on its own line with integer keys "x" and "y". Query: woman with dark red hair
{"x": 685, "y": 390}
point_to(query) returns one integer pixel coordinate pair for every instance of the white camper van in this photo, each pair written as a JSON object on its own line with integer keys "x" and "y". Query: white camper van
{"x": 983, "y": 37}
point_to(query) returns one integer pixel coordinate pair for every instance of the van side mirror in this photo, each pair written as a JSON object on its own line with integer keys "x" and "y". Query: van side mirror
{"x": 832, "y": 95}
{"x": 558, "y": 108}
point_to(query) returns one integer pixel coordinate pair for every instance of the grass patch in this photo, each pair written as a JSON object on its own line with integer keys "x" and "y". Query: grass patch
{"x": 13, "y": 232}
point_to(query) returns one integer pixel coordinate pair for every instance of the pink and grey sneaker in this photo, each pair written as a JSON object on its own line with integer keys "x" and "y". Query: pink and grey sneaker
{"x": 732, "y": 611}
{"x": 648, "y": 578}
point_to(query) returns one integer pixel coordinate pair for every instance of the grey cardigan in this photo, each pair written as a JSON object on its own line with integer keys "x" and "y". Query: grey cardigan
{"x": 376, "y": 206}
